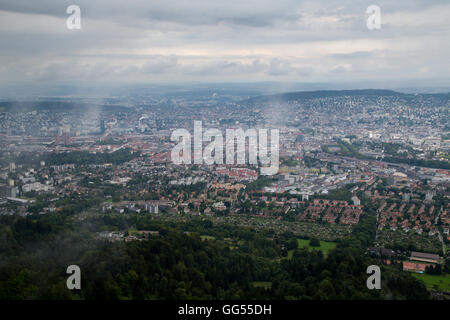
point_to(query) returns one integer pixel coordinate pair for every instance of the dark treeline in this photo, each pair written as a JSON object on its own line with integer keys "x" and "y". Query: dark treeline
{"x": 436, "y": 164}
{"x": 35, "y": 252}
{"x": 85, "y": 158}
{"x": 302, "y": 95}
{"x": 351, "y": 151}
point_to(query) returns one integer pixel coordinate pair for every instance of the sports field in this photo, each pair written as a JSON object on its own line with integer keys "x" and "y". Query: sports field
{"x": 325, "y": 246}
{"x": 437, "y": 282}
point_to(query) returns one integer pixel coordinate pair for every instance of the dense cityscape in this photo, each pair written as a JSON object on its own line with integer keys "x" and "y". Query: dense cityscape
{"x": 344, "y": 155}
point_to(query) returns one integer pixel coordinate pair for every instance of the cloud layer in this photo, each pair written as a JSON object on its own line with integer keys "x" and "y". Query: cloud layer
{"x": 204, "y": 40}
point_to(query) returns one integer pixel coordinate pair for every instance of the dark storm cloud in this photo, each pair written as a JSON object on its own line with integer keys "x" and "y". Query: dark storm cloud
{"x": 250, "y": 13}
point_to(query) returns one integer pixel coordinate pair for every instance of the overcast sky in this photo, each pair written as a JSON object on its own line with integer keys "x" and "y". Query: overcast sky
{"x": 209, "y": 41}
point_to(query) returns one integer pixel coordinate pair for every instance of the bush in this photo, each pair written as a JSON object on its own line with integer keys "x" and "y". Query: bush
{"x": 314, "y": 242}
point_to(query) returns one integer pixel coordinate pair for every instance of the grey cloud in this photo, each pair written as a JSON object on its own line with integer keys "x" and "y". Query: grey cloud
{"x": 355, "y": 55}
{"x": 203, "y": 39}
{"x": 279, "y": 67}
{"x": 339, "y": 69}
{"x": 159, "y": 64}
{"x": 225, "y": 67}
{"x": 304, "y": 71}
{"x": 190, "y": 12}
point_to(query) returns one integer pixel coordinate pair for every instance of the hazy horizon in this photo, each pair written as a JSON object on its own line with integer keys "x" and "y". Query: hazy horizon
{"x": 26, "y": 91}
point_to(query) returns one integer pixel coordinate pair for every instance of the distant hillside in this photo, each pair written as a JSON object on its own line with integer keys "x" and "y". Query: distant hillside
{"x": 292, "y": 96}
{"x": 61, "y": 106}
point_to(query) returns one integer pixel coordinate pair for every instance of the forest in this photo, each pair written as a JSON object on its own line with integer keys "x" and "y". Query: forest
{"x": 178, "y": 263}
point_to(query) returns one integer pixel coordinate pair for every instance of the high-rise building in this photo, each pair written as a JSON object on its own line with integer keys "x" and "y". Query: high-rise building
{"x": 64, "y": 138}
{"x": 406, "y": 197}
{"x": 429, "y": 195}
{"x": 152, "y": 207}
{"x": 102, "y": 126}
{"x": 13, "y": 192}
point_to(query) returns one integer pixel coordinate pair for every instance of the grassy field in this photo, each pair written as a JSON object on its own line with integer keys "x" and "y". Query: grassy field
{"x": 290, "y": 254}
{"x": 439, "y": 282}
{"x": 207, "y": 238}
{"x": 262, "y": 284}
{"x": 325, "y": 246}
